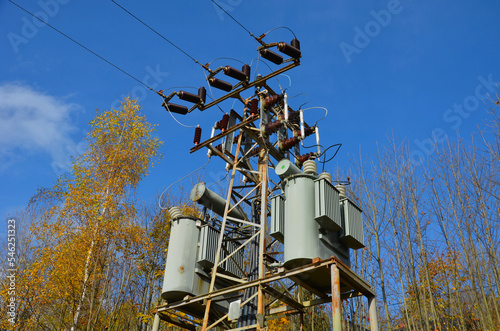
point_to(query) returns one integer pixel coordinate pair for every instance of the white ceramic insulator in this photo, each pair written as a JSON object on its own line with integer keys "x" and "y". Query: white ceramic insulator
{"x": 209, "y": 153}
{"x": 302, "y": 131}
{"x": 316, "y": 129}
{"x": 175, "y": 212}
{"x": 326, "y": 175}
{"x": 342, "y": 191}
{"x": 309, "y": 167}
{"x": 285, "y": 97}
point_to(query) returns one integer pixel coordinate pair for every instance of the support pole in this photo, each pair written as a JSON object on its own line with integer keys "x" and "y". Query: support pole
{"x": 263, "y": 169}
{"x": 372, "y": 304}
{"x": 221, "y": 237}
{"x": 156, "y": 323}
{"x": 336, "y": 303}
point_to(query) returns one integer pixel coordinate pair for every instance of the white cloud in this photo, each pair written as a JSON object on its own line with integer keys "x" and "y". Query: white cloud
{"x": 32, "y": 122}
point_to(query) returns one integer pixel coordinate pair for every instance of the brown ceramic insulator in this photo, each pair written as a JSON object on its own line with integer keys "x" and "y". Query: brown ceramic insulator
{"x": 246, "y": 70}
{"x": 295, "y": 43}
{"x": 286, "y": 144}
{"x": 197, "y": 135}
{"x": 202, "y": 93}
{"x": 289, "y": 50}
{"x": 183, "y": 95}
{"x": 271, "y": 56}
{"x": 272, "y": 100}
{"x": 303, "y": 158}
{"x": 174, "y": 108}
{"x": 254, "y": 105}
{"x": 222, "y": 124}
{"x": 220, "y": 84}
{"x": 234, "y": 73}
{"x": 272, "y": 127}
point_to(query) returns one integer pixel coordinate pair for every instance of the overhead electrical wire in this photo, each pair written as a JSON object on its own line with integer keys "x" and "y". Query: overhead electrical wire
{"x": 225, "y": 58}
{"x": 280, "y": 27}
{"x": 289, "y": 79}
{"x": 159, "y": 34}
{"x": 324, "y": 153}
{"x": 302, "y": 93}
{"x": 175, "y": 119}
{"x": 84, "y": 47}
{"x": 165, "y": 190}
{"x": 234, "y": 19}
{"x": 317, "y": 107}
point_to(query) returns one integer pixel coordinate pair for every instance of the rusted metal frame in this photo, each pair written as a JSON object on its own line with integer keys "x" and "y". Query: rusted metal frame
{"x": 226, "y": 315}
{"x": 249, "y": 150}
{"x": 284, "y": 314}
{"x": 282, "y": 297}
{"x": 282, "y": 309}
{"x": 263, "y": 170}
{"x": 244, "y": 197}
{"x": 244, "y": 186}
{"x": 183, "y": 318}
{"x": 258, "y": 82}
{"x": 235, "y": 127}
{"x": 308, "y": 287}
{"x": 239, "y": 196}
{"x": 273, "y": 151}
{"x": 336, "y": 302}
{"x": 178, "y": 322}
{"x": 234, "y": 279}
{"x": 234, "y": 261}
{"x": 306, "y": 304}
{"x": 271, "y": 244}
{"x": 192, "y": 320}
{"x": 241, "y": 246}
{"x": 252, "y": 283}
{"x": 214, "y": 150}
{"x": 353, "y": 279}
{"x": 245, "y": 328}
{"x": 220, "y": 240}
{"x": 287, "y": 290}
{"x": 243, "y": 221}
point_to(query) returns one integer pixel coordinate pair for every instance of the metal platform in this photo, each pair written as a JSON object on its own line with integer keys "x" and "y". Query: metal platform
{"x": 322, "y": 277}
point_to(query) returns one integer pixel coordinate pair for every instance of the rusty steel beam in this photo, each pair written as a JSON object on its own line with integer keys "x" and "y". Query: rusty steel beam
{"x": 258, "y": 82}
{"x": 336, "y": 303}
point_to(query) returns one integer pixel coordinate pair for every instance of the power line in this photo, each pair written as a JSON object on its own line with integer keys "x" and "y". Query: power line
{"x": 234, "y": 19}
{"x": 84, "y": 47}
{"x": 159, "y": 34}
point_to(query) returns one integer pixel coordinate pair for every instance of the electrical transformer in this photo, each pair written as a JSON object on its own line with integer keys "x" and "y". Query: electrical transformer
{"x": 191, "y": 255}
{"x": 180, "y": 276}
{"x": 312, "y": 218}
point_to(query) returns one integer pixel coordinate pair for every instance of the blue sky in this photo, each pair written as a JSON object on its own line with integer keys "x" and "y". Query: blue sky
{"x": 408, "y": 69}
